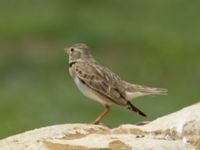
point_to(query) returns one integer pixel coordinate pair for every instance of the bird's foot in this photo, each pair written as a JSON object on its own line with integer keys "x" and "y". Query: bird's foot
{"x": 98, "y": 123}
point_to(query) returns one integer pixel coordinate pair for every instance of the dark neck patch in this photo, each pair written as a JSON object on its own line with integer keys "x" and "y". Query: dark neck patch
{"x": 71, "y": 63}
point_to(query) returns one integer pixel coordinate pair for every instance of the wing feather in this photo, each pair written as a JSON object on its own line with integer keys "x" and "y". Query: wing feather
{"x": 101, "y": 80}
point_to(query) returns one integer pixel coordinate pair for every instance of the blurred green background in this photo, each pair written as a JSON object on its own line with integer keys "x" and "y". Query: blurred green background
{"x": 154, "y": 43}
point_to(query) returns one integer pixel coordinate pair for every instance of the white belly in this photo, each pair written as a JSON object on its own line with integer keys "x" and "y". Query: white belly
{"x": 87, "y": 91}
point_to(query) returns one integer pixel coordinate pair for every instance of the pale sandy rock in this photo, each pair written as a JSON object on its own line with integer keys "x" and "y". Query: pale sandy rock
{"x": 179, "y": 130}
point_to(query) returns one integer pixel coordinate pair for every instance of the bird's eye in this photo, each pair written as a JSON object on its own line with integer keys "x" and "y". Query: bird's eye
{"x": 72, "y": 49}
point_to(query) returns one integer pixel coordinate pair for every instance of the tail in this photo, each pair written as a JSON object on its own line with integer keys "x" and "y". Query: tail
{"x": 134, "y": 90}
{"x": 131, "y": 107}
{"x": 155, "y": 91}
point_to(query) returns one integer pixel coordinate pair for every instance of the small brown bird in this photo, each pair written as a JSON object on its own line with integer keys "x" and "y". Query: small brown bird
{"x": 101, "y": 84}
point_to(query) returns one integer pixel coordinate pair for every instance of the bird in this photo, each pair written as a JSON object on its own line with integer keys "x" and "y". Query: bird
{"x": 99, "y": 83}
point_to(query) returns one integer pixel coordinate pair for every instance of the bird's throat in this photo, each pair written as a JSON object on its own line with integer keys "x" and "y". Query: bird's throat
{"x": 72, "y": 63}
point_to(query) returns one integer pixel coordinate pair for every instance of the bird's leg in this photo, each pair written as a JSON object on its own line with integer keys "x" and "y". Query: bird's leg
{"x": 105, "y": 111}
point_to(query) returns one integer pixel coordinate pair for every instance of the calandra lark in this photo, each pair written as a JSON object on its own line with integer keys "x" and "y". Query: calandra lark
{"x": 101, "y": 84}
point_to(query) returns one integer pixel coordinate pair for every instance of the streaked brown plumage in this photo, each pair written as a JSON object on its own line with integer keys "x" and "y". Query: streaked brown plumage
{"x": 101, "y": 84}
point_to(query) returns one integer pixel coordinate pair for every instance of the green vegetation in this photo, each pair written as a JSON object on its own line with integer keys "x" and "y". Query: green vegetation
{"x": 155, "y": 43}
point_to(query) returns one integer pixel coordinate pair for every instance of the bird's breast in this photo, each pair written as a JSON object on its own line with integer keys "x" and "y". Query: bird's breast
{"x": 85, "y": 90}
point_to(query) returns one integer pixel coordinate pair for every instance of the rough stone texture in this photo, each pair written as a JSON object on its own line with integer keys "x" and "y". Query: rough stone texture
{"x": 176, "y": 131}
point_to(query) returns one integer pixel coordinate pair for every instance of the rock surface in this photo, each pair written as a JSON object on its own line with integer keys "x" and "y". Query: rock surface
{"x": 176, "y": 131}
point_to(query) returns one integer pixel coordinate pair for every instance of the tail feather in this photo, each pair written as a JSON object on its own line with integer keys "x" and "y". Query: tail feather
{"x": 133, "y": 90}
{"x": 156, "y": 91}
{"x": 131, "y": 107}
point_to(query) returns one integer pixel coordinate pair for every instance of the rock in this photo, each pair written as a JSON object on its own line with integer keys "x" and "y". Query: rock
{"x": 179, "y": 130}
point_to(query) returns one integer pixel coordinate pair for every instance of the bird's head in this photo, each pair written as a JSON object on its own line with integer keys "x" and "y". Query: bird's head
{"x": 78, "y": 52}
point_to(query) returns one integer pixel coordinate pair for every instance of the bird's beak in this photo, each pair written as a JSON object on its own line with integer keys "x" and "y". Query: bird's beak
{"x": 66, "y": 50}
